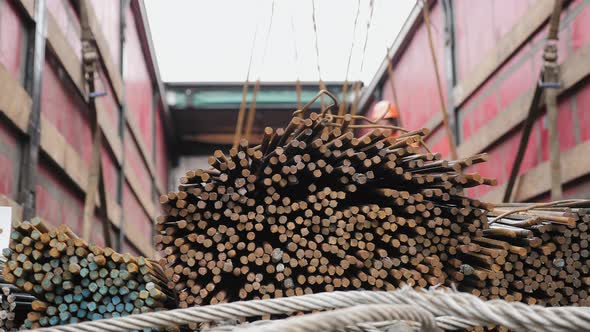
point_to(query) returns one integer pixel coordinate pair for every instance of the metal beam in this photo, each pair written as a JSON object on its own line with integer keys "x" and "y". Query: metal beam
{"x": 124, "y": 5}
{"x": 34, "y": 71}
{"x": 451, "y": 67}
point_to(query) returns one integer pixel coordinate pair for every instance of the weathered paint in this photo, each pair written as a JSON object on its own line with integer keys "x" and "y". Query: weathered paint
{"x": 138, "y": 86}
{"x": 108, "y": 16}
{"x": 109, "y": 103}
{"x": 583, "y": 112}
{"x": 9, "y": 158}
{"x": 137, "y": 222}
{"x": 57, "y": 201}
{"x": 134, "y": 160}
{"x": 66, "y": 110}
{"x": 580, "y": 28}
{"x": 414, "y": 75}
{"x": 69, "y": 23}
{"x": 110, "y": 173}
{"x": 12, "y": 39}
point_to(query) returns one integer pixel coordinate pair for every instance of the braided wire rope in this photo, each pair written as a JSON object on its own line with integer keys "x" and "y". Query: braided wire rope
{"x": 333, "y": 320}
{"x": 451, "y": 309}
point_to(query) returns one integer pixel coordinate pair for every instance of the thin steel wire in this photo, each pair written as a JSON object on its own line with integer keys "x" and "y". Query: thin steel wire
{"x": 295, "y": 54}
{"x": 356, "y": 18}
{"x": 369, "y": 21}
{"x": 315, "y": 32}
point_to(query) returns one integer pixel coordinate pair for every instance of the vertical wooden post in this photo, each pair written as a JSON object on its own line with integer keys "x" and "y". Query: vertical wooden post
{"x": 95, "y": 180}
{"x": 241, "y": 114}
{"x": 252, "y": 112}
{"x": 298, "y": 92}
{"x": 342, "y": 108}
{"x": 355, "y": 104}
{"x": 322, "y": 87}
{"x": 30, "y": 160}
{"x": 124, "y": 6}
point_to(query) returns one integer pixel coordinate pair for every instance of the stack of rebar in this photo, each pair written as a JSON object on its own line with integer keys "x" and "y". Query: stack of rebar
{"x": 79, "y": 281}
{"x": 314, "y": 208}
{"x": 535, "y": 253}
{"x": 14, "y": 304}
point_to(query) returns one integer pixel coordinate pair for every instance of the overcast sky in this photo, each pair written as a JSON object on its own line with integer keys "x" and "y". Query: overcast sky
{"x": 208, "y": 40}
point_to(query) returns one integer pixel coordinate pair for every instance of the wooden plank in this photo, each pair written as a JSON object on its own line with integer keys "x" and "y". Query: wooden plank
{"x": 15, "y": 103}
{"x": 145, "y": 200}
{"x": 573, "y": 70}
{"x": 220, "y": 138}
{"x": 434, "y": 122}
{"x": 110, "y": 133}
{"x": 574, "y": 164}
{"x": 134, "y": 128}
{"x": 522, "y": 31}
{"x": 65, "y": 53}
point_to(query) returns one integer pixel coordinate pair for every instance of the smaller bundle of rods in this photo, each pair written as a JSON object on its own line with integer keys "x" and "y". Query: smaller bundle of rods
{"x": 535, "y": 253}
{"x": 14, "y": 304}
{"x": 78, "y": 281}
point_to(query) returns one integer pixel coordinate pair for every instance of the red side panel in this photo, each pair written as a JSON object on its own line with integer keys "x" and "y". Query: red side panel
{"x": 474, "y": 28}
{"x": 9, "y": 161}
{"x": 565, "y": 127}
{"x": 135, "y": 161}
{"x": 108, "y": 15}
{"x": 65, "y": 109}
{"x": 138, "y": 85}
{"x": 414, "y": 75}
{"x": 110, "y": 173}
{"x": 57, "y": 202}
{"x": 137, "y": 223}
{"x": 439, "y": 142}
{"x": 69, "y": 23}
{"x": 583, "y": 112}
{"x": 581, "y": 29}
{"x": 12, "y": 39}
{"x": 478, "y": 110}
{"x": 478, "y": 30}
{"x": 108, "y": 102}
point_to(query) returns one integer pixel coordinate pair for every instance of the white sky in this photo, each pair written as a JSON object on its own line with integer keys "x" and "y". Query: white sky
{"x": 208, "y": 40}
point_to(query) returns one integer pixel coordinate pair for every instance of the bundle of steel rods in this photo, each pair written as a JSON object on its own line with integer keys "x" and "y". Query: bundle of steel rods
{"x": 78, "y": 281}
{"x": 314, "y": 208}
{"x": 14, "y": 304}
{"x": 538, "y": 254}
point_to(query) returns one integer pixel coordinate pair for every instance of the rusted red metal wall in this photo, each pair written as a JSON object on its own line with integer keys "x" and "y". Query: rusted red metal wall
{"x": 60, "y": 199}
{"x": 478, "y": 29}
